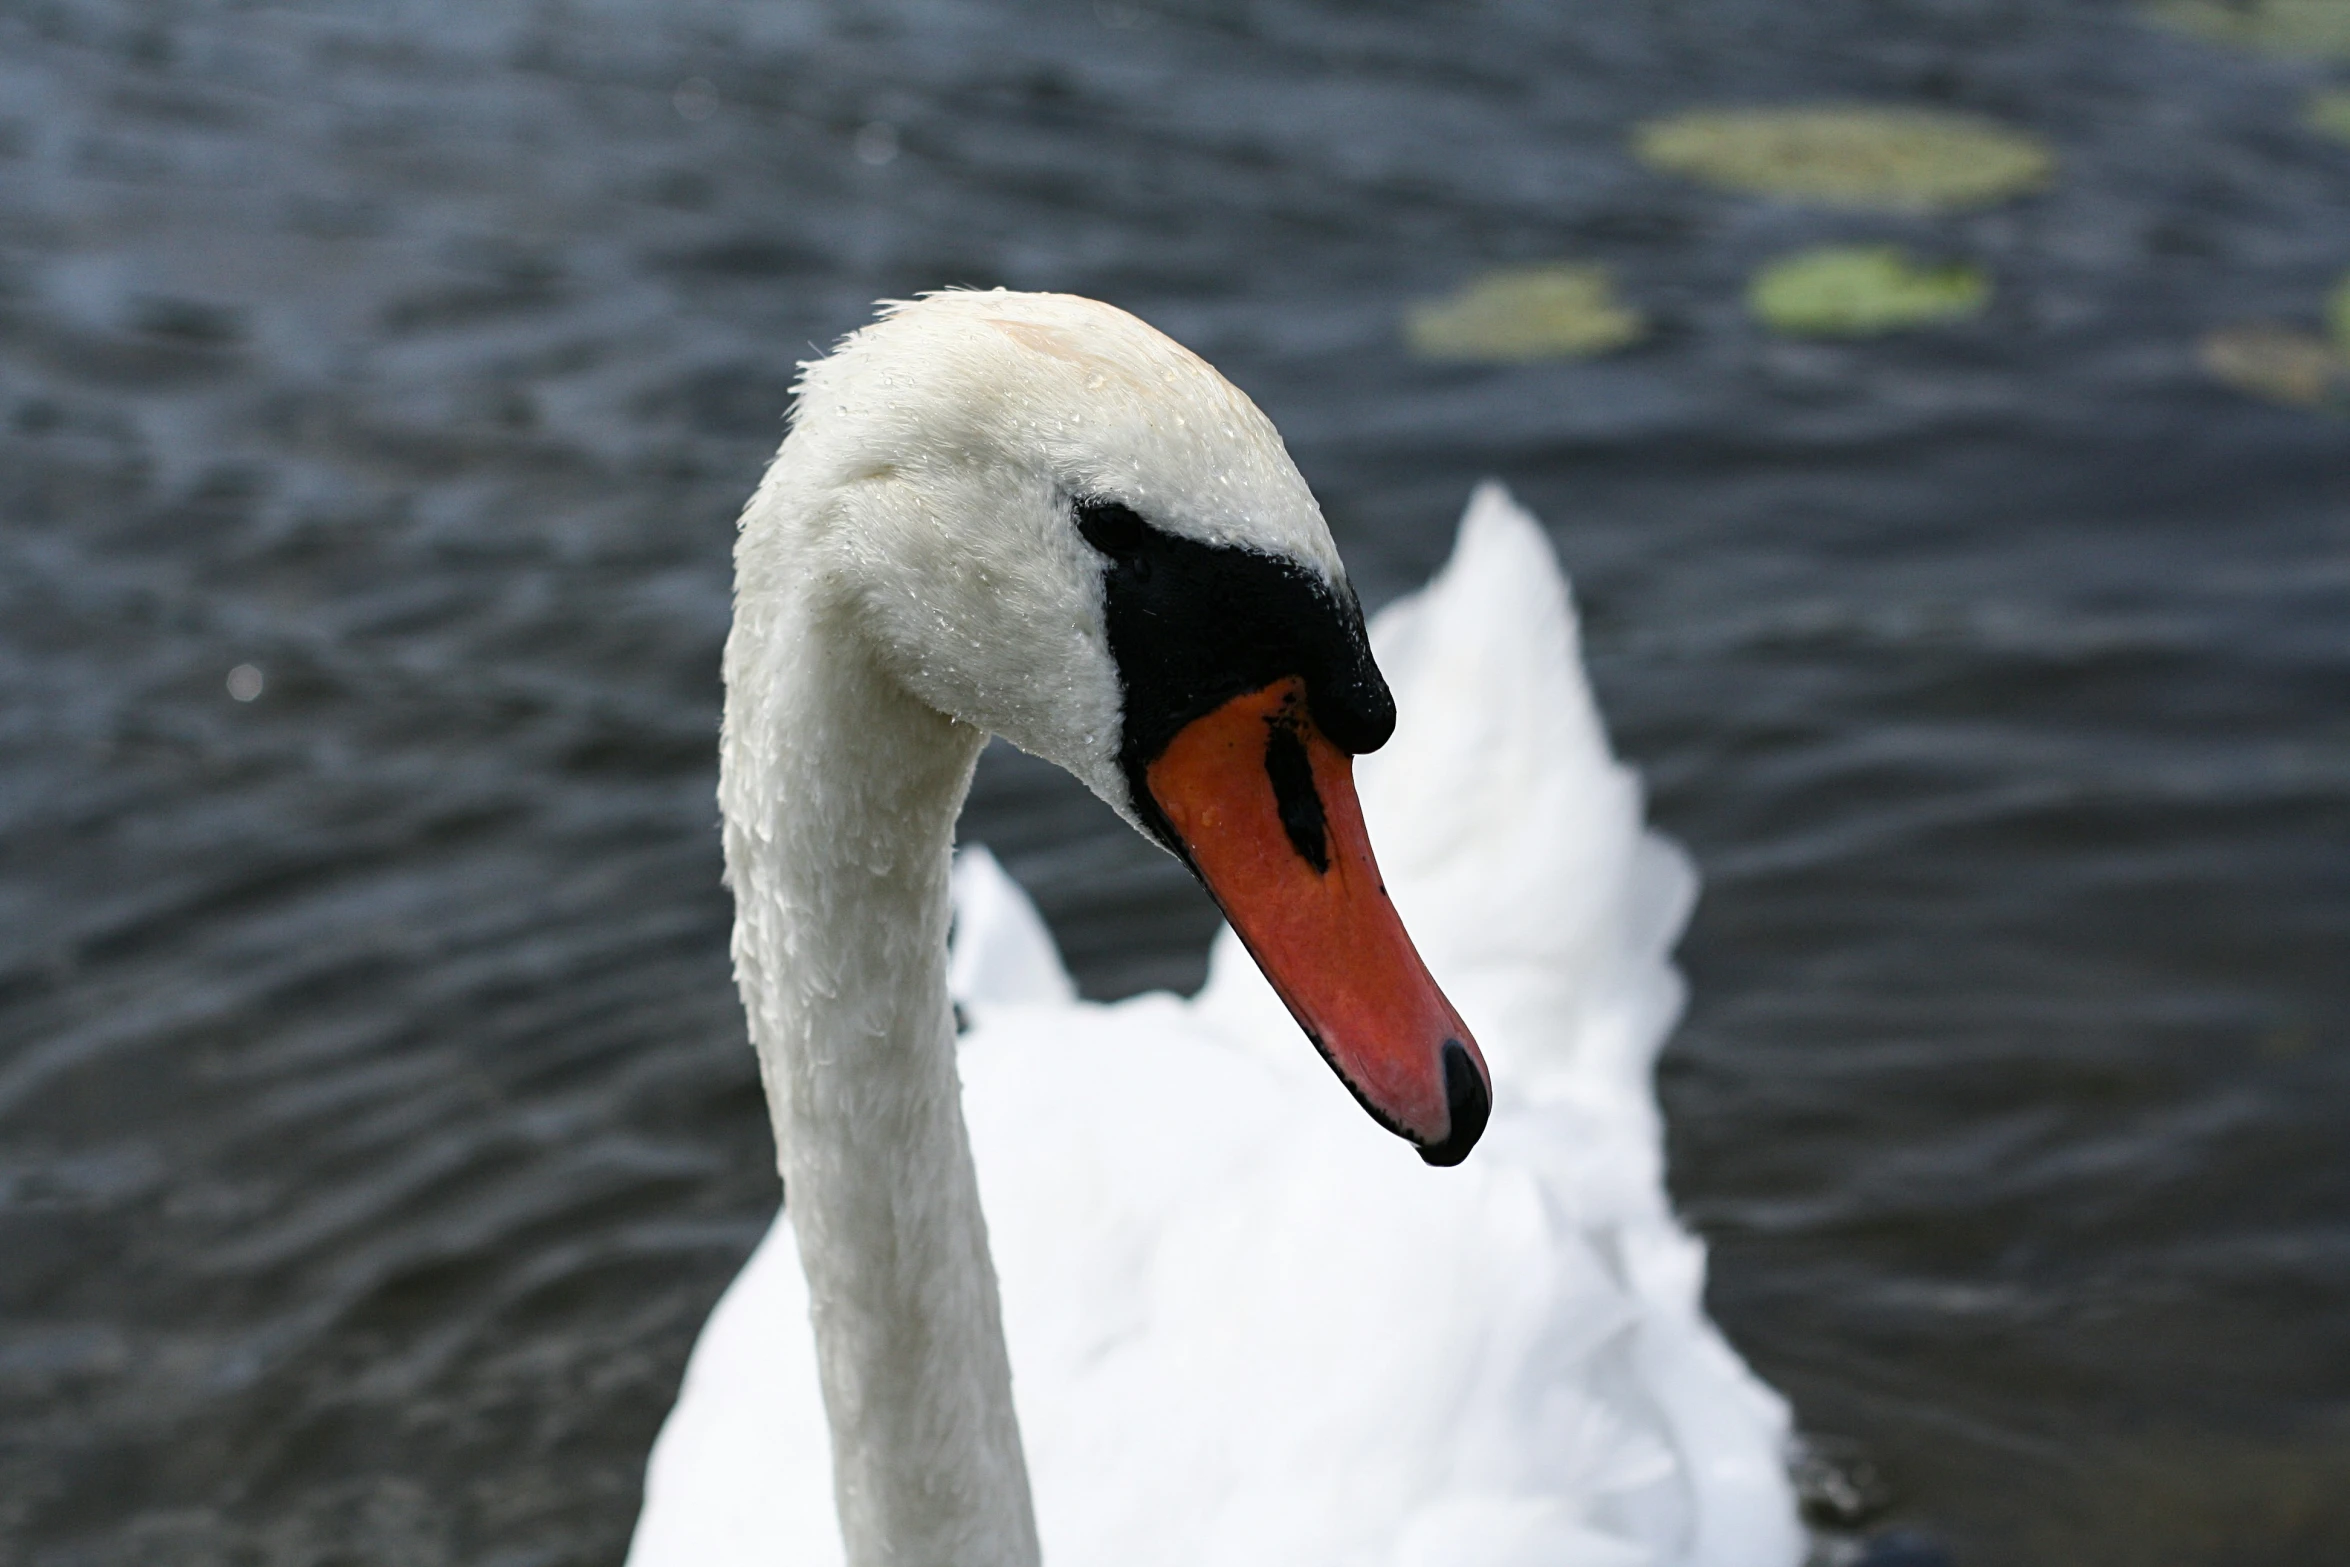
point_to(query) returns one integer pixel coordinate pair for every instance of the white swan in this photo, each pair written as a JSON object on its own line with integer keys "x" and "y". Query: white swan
{"x": 1244, "y": 1327}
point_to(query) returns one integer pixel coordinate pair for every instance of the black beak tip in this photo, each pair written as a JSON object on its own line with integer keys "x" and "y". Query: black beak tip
{"x": 1470, "y": 1104}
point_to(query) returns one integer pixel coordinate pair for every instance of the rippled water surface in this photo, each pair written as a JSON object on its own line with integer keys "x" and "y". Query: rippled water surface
{"x": 375, "y": 1120}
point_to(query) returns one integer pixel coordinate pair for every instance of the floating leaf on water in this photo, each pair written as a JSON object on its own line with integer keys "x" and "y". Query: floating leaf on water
{"x": 2338, "y": 318}
{"x": 2277, "y": 363}
{"x": 1860, "y": 291}
{"x": 2313, "y": 29}
{"x": 1897, "y": 158}
{"x": 2328, "y": 113}
{"x": 1526, "y": 313}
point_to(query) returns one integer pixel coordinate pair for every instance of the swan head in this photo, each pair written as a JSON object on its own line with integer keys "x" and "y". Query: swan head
{"x": 1052, "y": 522}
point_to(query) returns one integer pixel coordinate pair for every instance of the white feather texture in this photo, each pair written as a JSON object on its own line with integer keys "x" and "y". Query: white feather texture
{"x": 908, "y": 579}
{"x": 1246, "y": 1327}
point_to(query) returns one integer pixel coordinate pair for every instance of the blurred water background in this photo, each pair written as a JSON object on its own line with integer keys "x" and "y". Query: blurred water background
{"x": 378, "y": 385}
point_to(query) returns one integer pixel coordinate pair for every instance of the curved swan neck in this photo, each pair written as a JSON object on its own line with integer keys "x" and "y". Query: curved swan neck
{"x": 840, "y": 793}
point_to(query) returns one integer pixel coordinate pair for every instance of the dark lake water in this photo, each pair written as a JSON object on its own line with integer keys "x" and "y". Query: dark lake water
{"x": 376, "y": 1124}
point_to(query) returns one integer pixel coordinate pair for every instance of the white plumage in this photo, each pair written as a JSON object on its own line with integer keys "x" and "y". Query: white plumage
{"x": 1247, "y": 1328}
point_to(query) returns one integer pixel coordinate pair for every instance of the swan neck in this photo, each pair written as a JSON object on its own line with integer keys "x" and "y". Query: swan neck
{"x": 840, "y": 793}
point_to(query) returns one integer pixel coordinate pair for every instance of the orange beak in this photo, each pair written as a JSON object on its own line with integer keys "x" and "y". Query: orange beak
{"x": 1265, "y": 807}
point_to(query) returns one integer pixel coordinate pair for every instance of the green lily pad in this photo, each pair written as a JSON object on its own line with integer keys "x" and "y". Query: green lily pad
{"x": 1861, "y": 291}
{"x": 1893, "y": 158}
{"x": 2277, "y": 363}
{"x": 2311, "y": 29}
{"x": 1526, "y": 313}
{"x": 2328, "y": 113}
{"x": 2338, "y": 317}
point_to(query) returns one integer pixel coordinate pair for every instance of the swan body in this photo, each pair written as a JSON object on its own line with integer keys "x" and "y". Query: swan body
{"x": 1242, "y": 1327}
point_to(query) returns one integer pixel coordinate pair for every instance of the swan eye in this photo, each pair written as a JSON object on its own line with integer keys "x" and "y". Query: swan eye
{"x": 1112, "y": 527}
{"x": 1191, "y": 625}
